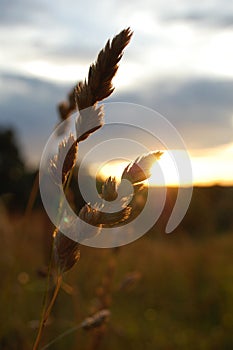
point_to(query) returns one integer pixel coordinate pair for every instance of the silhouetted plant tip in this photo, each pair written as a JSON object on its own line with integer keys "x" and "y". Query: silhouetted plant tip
{"x": 99, "y": 83}
{"x": 98, "y": 86}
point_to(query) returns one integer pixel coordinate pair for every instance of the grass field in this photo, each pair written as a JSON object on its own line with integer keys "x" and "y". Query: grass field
{"x": 164, "y": 291}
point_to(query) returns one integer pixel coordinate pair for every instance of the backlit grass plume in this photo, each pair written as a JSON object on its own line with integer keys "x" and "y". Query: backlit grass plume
{"x": 84, "y": 95}
{"x": 98, "y": 85}
{"x": 93, "y": 218}
{"x": 140, "y": 169}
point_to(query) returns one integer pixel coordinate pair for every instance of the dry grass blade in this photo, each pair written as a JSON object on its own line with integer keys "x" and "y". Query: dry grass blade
{"x": 99, "y": 83}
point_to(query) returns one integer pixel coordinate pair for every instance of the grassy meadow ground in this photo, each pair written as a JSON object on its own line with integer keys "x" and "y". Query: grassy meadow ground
{"x": 167, "y": 292}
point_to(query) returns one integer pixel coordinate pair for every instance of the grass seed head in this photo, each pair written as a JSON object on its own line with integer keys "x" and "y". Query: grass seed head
{"x": 64, "y": 161}
{"x": 109, "y": 192}
{"x": 66, "y": 252}
{"x": 140, "y": 169}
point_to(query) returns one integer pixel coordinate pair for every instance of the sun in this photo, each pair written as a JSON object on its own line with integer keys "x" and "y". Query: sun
{"x": 164, "y": 172}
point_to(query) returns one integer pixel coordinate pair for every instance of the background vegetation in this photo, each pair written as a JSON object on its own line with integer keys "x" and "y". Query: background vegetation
{"x": 164, "y": 291}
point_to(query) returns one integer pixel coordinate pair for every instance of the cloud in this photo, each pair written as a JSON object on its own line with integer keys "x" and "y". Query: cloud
{"x": 210, "y": 14}
{"x": 29, "y": 106}
{"x": 206, "y": 19}
{"x": 52, "y": 31}
{"x": 21, "y": 12}
{"x": 201, "y": 109}
{"x": 64, "y": 33}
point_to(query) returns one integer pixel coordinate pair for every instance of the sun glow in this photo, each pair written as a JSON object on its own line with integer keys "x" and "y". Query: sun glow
{"x": 213, "y": 167}
{"x": 114, "y": 169}
{"x": 164, "y": 172}
{"x": 167, "y": 166}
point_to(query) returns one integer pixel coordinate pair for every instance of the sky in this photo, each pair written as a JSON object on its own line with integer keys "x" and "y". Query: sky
{"x": 179, "y": 63}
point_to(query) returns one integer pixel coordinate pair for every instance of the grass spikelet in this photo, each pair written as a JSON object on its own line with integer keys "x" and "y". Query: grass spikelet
{"x": 63, "y": 162}
{"x": 66, "y": 252}
{"x": 114, "y": 219}
{"x": 90, "y": 120}
{"x": 109, "y": 192}
{"x": 89, "y": 215}
{"x": 99, "y": 83}
{"x": 140, "y": 169}
{"x": 64, "y": 110}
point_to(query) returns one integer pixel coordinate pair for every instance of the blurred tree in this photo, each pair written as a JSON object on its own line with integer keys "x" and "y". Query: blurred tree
{"x": 11, "y": 164}
{"x": 15, "y": 180}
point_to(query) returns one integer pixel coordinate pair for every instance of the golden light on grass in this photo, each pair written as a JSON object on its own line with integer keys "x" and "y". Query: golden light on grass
{"x": 113, "y": 168}
{"x": 213, "y": 167}
{"x": 165, "y": 164}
